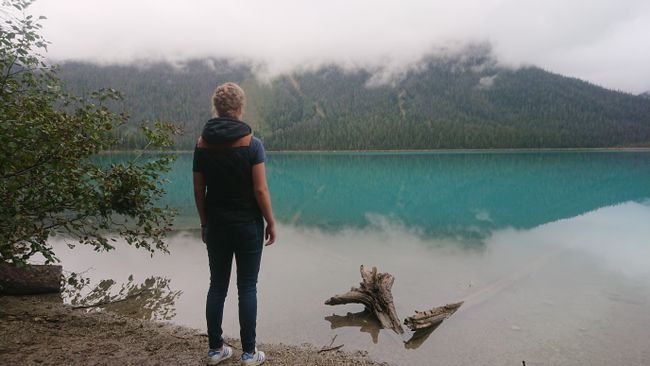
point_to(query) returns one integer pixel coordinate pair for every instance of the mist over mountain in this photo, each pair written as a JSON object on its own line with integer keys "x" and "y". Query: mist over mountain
{"x": 603, "y": 42}
{"x": 462, "y": 101}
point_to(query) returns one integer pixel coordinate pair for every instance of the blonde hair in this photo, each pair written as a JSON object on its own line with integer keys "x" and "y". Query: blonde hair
{"x": 227, "y": 99}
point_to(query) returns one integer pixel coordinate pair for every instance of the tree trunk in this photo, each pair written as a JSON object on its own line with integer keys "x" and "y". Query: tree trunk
{"x": 30, "y": 279}
{"x": 375, "y": 293}
{"x": 431, "y": 318}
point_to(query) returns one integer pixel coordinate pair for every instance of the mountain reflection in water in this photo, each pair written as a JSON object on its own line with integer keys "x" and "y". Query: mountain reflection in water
{"x": 461, "y": 195}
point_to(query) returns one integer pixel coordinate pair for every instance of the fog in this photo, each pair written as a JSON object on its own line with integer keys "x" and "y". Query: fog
{"x": 602, "y": 41}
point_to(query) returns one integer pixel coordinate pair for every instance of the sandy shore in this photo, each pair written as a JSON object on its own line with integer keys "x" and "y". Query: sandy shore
{"x": 459, "y": 150}
{"x": 41, "y": 330}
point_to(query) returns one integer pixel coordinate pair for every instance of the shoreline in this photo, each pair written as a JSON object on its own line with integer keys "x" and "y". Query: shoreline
{"x": 417, "y": 151}
{"x": 40, "y": 329}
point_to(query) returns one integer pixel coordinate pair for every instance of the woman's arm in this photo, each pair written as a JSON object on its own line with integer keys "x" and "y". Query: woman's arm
{"x": 263, "y": 198}
{"x": 199, "y": 198}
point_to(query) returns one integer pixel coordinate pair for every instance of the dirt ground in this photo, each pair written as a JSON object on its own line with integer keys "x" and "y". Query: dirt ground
{"x": 40, "y": 330}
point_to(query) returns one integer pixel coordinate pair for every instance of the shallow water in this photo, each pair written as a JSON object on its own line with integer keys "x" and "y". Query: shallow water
{"x": 549, "y": 251}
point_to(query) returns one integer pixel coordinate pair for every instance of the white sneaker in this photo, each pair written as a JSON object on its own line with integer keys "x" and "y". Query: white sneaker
{"x": 215, "y": 357}
{"x": 257, "y": 358}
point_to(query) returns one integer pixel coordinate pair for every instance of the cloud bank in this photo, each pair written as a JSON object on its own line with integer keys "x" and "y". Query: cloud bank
{"x": 603, "y": 41}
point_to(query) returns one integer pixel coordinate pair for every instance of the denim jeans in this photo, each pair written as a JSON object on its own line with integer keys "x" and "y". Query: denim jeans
{"x": 245, "y": 242}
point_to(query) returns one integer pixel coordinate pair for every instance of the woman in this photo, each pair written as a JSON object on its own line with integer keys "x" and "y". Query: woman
{"x": 232, "y": 196}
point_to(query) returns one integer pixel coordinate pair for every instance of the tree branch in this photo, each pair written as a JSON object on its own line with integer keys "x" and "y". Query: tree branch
{"x": 41, "y": 160}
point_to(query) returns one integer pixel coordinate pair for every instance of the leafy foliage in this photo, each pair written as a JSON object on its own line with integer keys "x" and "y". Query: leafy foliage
{"x": 48, "y": 181}
{"x": 463, "y": 101}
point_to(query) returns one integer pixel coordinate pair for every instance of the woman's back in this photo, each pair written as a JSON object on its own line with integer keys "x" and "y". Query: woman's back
{"x": 227, "y": 170}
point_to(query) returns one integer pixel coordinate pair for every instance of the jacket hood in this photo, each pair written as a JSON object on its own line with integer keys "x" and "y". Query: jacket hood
{"x": 224, "y": 130}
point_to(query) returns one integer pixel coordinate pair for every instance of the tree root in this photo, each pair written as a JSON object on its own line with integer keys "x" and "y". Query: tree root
{"x": 375, "y": 293}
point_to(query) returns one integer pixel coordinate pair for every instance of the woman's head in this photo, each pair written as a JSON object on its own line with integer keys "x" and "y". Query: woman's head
{"x": 228, "y": 101}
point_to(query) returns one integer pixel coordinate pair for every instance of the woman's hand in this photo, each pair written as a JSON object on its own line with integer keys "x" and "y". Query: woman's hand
{"x": 269, "y": 234}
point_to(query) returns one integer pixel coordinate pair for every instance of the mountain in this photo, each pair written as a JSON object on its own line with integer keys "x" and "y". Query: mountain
{"x": 465, "y": 101}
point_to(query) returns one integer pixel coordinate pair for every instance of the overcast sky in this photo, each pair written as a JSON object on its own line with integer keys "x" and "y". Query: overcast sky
{"x": 606, "y": 42}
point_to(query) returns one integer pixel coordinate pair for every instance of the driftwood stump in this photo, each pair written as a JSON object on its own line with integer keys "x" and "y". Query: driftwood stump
{"x": 431, "y": 318}
{"x": 375, "y": 293}
{"x": 29, "y": 279}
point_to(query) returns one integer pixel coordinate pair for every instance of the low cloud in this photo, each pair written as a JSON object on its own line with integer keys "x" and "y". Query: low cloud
{"x": 604, "y": 42}
{"x": 486, "y": 82}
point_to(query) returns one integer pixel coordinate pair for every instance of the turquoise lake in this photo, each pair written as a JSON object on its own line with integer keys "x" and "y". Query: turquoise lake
{"x": 549, "y": 250}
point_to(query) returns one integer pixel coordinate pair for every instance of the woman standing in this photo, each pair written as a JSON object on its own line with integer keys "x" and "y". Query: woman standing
{"x": 232, "y": 196}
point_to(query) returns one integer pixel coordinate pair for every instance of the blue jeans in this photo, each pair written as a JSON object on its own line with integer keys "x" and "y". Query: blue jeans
{"x": 245, "y": 242}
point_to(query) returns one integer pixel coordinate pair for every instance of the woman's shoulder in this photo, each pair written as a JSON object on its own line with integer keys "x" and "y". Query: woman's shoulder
{"x": 258, "y": 155}
{"x": 256, "y": 142}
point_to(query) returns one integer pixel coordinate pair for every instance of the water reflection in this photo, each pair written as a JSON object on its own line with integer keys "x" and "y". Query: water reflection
{"x": 463, "y": 196}
{"x": 367, "y": 322}
{"x": 152, "y": 299}
{"x": 419, "y": 337}
{"x": 575, "y": 291}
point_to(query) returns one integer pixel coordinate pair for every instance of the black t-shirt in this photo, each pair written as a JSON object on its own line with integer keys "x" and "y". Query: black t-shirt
{"x": 228, "y": 177}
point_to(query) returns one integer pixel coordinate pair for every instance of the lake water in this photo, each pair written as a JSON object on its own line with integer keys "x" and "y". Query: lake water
{"x": 550, "y": 252}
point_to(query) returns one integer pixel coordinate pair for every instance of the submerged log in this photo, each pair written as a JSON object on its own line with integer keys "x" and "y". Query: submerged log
{"x": 431, "y": 318}
{"x": 375, "y": 293}
{"x": 30, "y": 279}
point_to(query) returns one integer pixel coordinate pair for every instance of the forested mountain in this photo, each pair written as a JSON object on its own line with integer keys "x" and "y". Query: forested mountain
{"x": 465, "y": 101}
